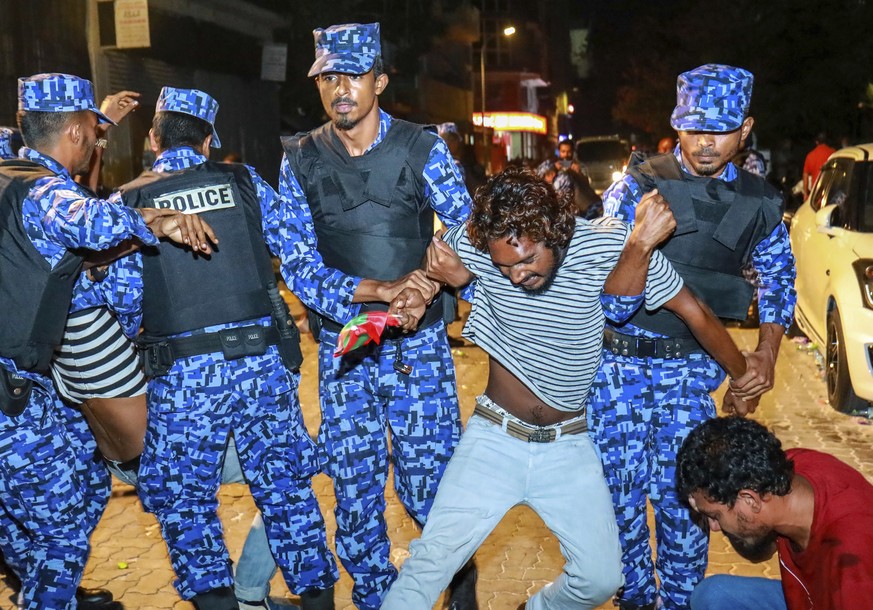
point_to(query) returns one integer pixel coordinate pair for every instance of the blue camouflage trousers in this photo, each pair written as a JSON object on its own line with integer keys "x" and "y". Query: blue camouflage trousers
{"x": 640, "y": 412}
{"x": 192, "y": 411}
{"x": 363, "y": 398}
{"x": 53, "y": 489}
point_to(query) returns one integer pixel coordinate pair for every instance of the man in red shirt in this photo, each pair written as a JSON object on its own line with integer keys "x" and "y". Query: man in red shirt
{"x": 811, "y": 508}
{"x": 814, "y": 160}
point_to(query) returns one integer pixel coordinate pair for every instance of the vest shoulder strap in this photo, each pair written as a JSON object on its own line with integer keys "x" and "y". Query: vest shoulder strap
{"x": 418, "y": 139}
{"x": 655, "y": 169}
{"x": 301, "y": 152}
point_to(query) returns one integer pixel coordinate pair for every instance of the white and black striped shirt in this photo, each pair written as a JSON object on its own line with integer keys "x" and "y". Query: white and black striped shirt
{"x": 552, "y": 341}
{"x": 95, "y": 359}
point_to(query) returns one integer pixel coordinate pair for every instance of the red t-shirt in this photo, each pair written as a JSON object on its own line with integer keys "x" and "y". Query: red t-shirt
{"x": 815, "y": 159}
{"x": 835, "y": 570}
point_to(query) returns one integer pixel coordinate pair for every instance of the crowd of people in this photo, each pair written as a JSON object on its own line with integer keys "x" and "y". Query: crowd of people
{"x": 149, "y": 340}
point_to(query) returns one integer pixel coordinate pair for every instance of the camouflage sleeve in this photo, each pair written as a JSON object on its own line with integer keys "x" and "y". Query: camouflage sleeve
{"x": 620, "y": 200}
{"x": 619, "y": 308}
{"x": 75, "y": 221}
{"x": 444, "y": 187}
{"x": 774, "y": 262}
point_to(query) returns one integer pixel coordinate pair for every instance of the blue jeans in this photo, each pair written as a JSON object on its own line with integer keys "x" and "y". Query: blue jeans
{"x": 256, "y": 566}
{"x": 725, "y": 592}
{"x": 489, "y": 473}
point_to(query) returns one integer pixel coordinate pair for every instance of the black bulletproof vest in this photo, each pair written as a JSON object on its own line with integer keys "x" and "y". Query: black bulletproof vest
{"x": 34, "y": 297}
{"x": 183, "y": 291}
{"x": 369, "y": 211}
{"x": 718, "y": 225}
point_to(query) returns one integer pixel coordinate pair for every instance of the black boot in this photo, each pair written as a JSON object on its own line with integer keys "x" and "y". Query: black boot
{"x": 96, "y": 599}
{"x": 462, "y": 589}
{"x": 221, "y": 598}
{"x": 319, "y": 599}
{"x": 92, "y": 596}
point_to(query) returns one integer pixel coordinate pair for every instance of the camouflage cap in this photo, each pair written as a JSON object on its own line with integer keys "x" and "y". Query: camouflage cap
{"x": 350, "y": 48}
{"x": 58, "y": 93}
{"x": 6, "y": 144}
{"x": 448, "y": 127}
{"x": 193, "y": 102}
{"x": 712, "y": 97}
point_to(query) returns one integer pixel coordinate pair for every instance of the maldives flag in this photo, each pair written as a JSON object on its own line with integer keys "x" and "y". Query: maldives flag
{"x": 362, "y": 329}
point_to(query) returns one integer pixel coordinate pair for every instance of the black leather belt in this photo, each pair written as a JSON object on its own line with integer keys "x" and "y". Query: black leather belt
{"x": 207, "y": 343}
{"x": 528, "y": 433}
{"x": 237, "y": 342}
{"x": 642, "y": 347}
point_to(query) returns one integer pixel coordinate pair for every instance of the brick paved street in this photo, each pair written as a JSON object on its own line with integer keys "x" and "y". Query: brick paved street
{"x": 518, "y": 558}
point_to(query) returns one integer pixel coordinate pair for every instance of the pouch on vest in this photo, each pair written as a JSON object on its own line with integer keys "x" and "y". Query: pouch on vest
{"x": 14, "y": 392}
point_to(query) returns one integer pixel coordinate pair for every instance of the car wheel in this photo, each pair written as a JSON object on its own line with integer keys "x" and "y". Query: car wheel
{"x": 841, "y": 396}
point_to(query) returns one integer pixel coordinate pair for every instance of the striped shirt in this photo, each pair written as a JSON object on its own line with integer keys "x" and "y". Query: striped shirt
{"x": 95, "y": 359}
{"x": 552, "y": 341}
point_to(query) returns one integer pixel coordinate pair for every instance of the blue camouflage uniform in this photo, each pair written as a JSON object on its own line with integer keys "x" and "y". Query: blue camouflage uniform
{"x": 360, "y": 403}
{"x": 363, "y": 395}
{"x": 6, "y": 151}
{"x": 205, "y": 398}
{"x": 642, "y": 409}
{"x": 53, "y": 486}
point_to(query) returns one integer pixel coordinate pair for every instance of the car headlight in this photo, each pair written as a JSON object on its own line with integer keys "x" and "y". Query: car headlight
{"x": 864, "y": 270}
{"x": 616, "y": 176}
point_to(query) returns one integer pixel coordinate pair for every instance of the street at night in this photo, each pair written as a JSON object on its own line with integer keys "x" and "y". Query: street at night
{"x": 527, "y": 245}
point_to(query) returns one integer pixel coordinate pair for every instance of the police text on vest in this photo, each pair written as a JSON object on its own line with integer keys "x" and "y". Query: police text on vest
{"x": 196, "y": 200}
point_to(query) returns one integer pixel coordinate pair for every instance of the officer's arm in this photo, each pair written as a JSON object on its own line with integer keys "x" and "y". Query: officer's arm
{"x": 773, "y": 260}
{"x": 620, "y": 199}
{"x": 386, "y": 291}
{"x": 444, "y": 188}
{"x": 188, "y": 229}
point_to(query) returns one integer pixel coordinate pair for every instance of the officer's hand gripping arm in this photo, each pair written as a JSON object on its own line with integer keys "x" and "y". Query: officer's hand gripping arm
{"x": 188, "y": 229}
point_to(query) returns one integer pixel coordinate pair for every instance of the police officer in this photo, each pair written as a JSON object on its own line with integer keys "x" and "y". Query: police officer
{"x": 654, "y": 381}
{"x": 220, "y": 366}
{"x": 10, "y": 142}
{"x": 363, "y": 189}
{"x": 52, "y": 488}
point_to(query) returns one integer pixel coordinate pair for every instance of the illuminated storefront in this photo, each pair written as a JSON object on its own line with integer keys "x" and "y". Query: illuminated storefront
{"x": 517, "y": 135}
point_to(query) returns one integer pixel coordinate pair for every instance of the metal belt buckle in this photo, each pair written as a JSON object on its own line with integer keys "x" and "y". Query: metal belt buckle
{"x": 540, "y": 435}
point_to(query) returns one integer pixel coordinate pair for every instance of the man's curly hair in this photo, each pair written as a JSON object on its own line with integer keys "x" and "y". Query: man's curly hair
{"x": 725, "y": 455}
{"x": 516, "y": 203}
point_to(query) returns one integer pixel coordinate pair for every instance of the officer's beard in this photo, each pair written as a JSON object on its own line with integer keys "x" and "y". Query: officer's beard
{"x": 344, "y": 123}
{"x": 342, "y": 120}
